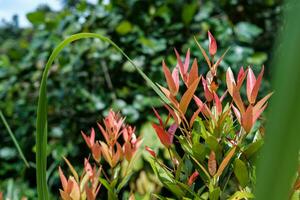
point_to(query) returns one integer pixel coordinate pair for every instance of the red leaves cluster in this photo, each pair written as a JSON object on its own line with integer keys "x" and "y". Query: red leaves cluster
{"x": 211, "y": 108}
{"x": 111, "y": 150}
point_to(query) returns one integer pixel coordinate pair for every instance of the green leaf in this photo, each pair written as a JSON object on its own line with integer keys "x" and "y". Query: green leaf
{"x": 13, "y": 139}
{"x": 37, "y": 17}
{"x": 187, "y": 188}
{"x": 215, "y": 194}
{"x": 188, "y": 12}
{"x": 198, "y": 151}
{"x": 239, "y": 195}
{"x": 124, "y": 27}
{"x": 166, "y": 178}
{"x": 257, "y": 58}
{"x": 241, "y": 172}
{"x": 109, "y": 188}
{"x": 185, "y": 145}
{"x": 246, "y": 32}
{"x": 162, "y": 197}
{"x": 123, "y": 182}
{"x": 213, "y": 144}
{"x": 253, "y": 148}
{"x": 296, "y": 195}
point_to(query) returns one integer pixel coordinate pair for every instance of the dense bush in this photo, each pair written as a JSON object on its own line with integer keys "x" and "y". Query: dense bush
{"x": 90, "y": 76}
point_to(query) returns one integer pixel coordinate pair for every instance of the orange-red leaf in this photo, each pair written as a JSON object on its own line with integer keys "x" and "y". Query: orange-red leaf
{"x": 169, "y": 79}
{"x": 193, "y": 75}
{"x": 261, "y": 102}
{"x": 256, "y": 87}
{"x": 203, "y": 53}
{"x": 187, "y": 96}
{"x": 225, "y": 162}
{"x": 247, "y": 119}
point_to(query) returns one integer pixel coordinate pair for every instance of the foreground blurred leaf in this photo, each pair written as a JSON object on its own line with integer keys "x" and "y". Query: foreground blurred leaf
{"x": 241, "y": 172}
{"x": 279, "y": 159}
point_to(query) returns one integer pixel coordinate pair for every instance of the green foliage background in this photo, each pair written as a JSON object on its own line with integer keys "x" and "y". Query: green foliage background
{"x": 80, "y": 92}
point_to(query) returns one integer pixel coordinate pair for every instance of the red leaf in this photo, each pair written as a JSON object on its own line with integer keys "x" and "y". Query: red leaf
{"x": 174, "y": 114}
{"x": 192, "y": 178}
{"x": 205, "y": 109}
{"x": 89, "y": 140}
{"x": 163, "y": 136}
{"x": 169, "y": 79}
{"x": 150, "y": 151}
{"x": 212, "y": 163}
{"x": 158, "y": 117}
{"x": 212, "y": 44}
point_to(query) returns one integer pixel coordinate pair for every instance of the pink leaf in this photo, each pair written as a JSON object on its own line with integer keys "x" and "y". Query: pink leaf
{"x": 104, "y": 133}
{"x": 237, "y": 113}
{"x": 175, "y": 77}
{"x": 230, "y": 81}
{"x": 241, "y": 74}
{"x": 208, "y": 94}
{"x": 250, "y": 83}
{"x": 187, "y": 61}
{"x": 63, "y": 179}
{"x": 256, "y": 87}
{"x": 181, "y": 66}
{"x": 218, "y": 104}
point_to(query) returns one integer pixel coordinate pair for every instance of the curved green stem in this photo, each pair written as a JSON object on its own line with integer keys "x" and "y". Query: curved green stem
{"x": 41, "y": 123}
